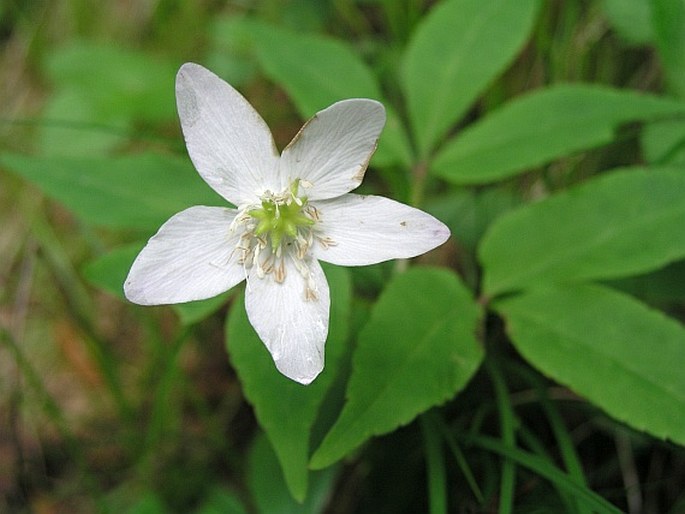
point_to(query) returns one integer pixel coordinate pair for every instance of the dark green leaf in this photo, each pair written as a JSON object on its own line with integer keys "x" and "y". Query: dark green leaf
{"x": 456, "y": 52}
{"x": 221, "y": 501}
{"x": 616, "y": 225}
{"x": 664, "y": 286}
{"x": 418, "y": 350}
{"x": 270, "y": 492}
{"x": 71, "y": 127}
{"x": 134, "y": 192}
{"x": 663, "y": 142}
{"x": 543, "y": 125}
{"x": 668, "y": 21}
{"x": 469, "y": 212}
{"x": 148, "y": 504}
{"x": 117, "y": 83}
{"x": 193, "y": 312}
{"x": 232, "y": 45}
{"x": 607, "y": 347}
{"x": 287, "y": 410}
{"x": 317, "y": 71}
{"x": 109, "y": 270}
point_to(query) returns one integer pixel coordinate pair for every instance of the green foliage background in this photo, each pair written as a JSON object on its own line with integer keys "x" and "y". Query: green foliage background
{"x": 534, "y": 363}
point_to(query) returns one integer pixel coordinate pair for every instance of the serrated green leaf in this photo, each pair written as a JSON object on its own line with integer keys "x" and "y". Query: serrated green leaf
{"x": 456, "y": 52}
{"x": 317, "y": 71}
{"x": 269, "y": 491}
{"x": 132, "y": 192}
{"x": 543, "y": 125}
{"x": 616, "y": 225}
{"x": 609, "y": 348}
{"x": 418, "y": 350}
{"x": 286, "y": 410}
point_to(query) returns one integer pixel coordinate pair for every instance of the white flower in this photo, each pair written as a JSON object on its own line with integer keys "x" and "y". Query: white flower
{"x": 293, "y": 210}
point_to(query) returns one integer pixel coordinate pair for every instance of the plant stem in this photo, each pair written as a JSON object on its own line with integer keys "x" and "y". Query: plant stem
{"x": 435, "y": 466}
{"x": 507, "y": 429}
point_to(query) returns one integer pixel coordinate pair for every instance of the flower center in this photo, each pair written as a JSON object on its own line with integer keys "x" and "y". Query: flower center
{"x": 282, "y": 218}
{"x": 281, "y": 227}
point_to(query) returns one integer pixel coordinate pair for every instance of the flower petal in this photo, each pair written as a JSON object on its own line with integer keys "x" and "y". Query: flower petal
{"x": 334, "y": 147}
{"x": 186, "y": 260}
{"x": 228, "y": 142}
{"x": 293, "y": 328}
{"x": 371, "y": 229}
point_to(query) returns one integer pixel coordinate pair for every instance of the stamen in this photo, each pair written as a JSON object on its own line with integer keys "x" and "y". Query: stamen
{"x": 279, "y": 272}
{"x": 313, "y": 212}
{"x": 284, "y": 223}
{"x": 268, "y": 264}
{"x": 309, "y": 294}
{"x": 326, "y": 241}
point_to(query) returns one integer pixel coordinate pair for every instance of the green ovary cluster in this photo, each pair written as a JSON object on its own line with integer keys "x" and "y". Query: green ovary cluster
{"x": 280, "y": 220}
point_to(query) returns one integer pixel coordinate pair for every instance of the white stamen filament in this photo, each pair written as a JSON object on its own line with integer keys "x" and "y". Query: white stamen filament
{"x": 268, "y": 255}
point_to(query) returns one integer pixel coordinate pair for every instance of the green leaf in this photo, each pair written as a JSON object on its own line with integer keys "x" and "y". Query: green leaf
{"x": 631, "y": 19}
{"x": 616, "y": 225}
{"x": 317, "y": 71}
{"x": 108, "y": 271}
{"x": 469, "y": 212}
{"x": 221, "y": 501}
{"x": 231, "y": 57}
{"x": 194, "y": 312}
{"x": 546, "y": 469}
{"x": 668, "y": 22}
{"x": 418, "y": 350}
{"x": 459, "y": 48}
{"x": 286, "y": 410}
{"x": 132, "y": 192}
{"x": 543, "y": 125}
{"x": 72, "y": 127}
{"x": 99, "y": 91}
{"x": 664, "y": 286}
{"x": 149, "y": 503}
{"x": 116, "y": 82}
{"x": 269, "y": 491}
{"x": 609, "y": 348}
{"x": 663, "y": 142}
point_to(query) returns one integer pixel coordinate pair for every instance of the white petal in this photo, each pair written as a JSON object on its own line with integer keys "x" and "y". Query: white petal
{"x": 371, "y": 229}
{"x": 228, "y": 142}
{"x": 293, "y": 328}
{"x": 188, "y": 259}
{"x": 334, "y": 147}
